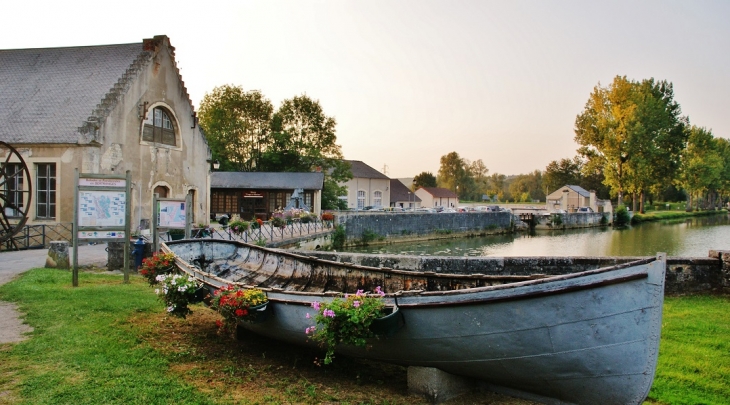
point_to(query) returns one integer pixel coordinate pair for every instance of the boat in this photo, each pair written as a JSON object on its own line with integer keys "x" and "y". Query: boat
{"x": 588, "y": 337}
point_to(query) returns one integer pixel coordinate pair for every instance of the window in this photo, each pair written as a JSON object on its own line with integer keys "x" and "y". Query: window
{"x": 360, "y": 199}
{"x": 159, "y": 127}
{"x": 278, "y": 200}
{"x": 46, "y": 191}
{"x": 14, "y": 190}
{"x": 378, "y": 198}
{"x": 224, "y": 202}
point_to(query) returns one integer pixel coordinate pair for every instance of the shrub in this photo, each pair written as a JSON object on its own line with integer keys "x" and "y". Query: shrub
{"x": 278, "y": 220}
{"x": 338, "y": 237}
{"x": 345, "y": 320}
{"x": 622, "y": 216}
{"x": 159, "y": 263}
{"x": 368, "y": 236}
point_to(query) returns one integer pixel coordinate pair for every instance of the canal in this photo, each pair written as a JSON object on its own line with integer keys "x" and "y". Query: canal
{"x": 684, "y": 237}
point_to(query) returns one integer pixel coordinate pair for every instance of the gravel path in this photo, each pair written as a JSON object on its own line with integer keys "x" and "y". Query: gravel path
{"x": 13, "y": 264}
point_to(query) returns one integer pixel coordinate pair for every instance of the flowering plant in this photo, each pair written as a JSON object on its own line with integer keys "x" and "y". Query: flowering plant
{"x": 177, "y": 291}
{"x": 328, "y": 216}
{"x": 345, "y": 320}
{"x": 238, "y": 227}
{"x": 235, "y": 304}
{"x": 159, "y": 263}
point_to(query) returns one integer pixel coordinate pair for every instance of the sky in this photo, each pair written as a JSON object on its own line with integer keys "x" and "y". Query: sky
{"x": 411, "y": 81}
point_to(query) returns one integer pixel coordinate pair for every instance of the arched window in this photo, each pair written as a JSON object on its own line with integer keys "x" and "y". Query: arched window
{"x": 378, "y": 199}
{"x": 159, "y": 127}
{"x": 161, "y": 191}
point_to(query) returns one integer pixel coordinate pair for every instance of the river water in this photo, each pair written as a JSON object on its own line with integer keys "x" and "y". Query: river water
{"x": 685, "y": 237}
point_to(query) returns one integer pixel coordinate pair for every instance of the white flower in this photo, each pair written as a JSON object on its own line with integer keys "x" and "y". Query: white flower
{"x": 160, "y": 277}
{"x": 157, "y": 291}
{"x": 182, "y": 288}
{"x": 170, "y": 308}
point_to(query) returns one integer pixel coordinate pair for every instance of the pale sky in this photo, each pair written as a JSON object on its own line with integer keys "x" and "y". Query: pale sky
{"x": 410, "y": 81}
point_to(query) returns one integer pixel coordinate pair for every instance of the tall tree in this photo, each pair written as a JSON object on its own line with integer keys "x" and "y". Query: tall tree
{"x": 424, "y": 179}
{"x": 603, "y": 131}
{"x": 237, "y": 126}
{"x": 451, "y": 172}
{"x": 559, "y": 173}
{"x": 701, "y": 166}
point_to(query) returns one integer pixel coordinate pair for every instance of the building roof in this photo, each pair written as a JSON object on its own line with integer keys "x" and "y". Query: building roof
{"x": 361, "y": 170}
{"x": 580, "y": 190}
{"x": 399, "y": 192}
{"x": 440, "y": 192}
{"x": 267, "y": 180}
{"x": 61, "y": 95}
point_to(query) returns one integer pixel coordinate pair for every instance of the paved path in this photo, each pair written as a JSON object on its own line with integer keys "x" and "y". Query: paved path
{"x": 14, "y": 263}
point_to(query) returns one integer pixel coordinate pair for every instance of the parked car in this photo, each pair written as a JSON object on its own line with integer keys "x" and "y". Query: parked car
{"x": 585, "y": 209}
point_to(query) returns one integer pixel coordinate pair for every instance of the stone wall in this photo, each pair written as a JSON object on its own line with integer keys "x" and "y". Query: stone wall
{"x": 572, "y": 220}
{"x": 685, "y": 275}
{"x": 414, "y": 224}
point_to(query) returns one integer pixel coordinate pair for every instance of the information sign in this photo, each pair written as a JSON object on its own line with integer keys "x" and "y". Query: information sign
{"x": 101, "y": 208}
{"x": 172, "y": 214}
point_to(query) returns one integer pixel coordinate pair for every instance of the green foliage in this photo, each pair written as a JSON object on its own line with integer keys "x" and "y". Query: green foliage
{"x": 338, "y": 237}
{"x": 234, "y": 305}
{"x": 556, "y": 219}
{"x": 345, "y": 320}
{"x": 604, "y": 220}
{"x": 694, "y": 365}
{"x": 368, "y": 236}
{"x": 261, "y": 241}
{"x": 83, "y": 349}
{"x": 177, "y": 291}
{"x": 158, "y": 264}
{"x": 622, "y": 216}
{"x": 238, "y": 227}
{"x": 443, "y": 231}
{"x": 424, "y": 179}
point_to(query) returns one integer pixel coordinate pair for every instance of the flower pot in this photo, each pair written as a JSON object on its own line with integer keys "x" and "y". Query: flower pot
{"x": 389, "y": 324}
{"x": 259, "y": 313}
{"x": 201, "y": 294}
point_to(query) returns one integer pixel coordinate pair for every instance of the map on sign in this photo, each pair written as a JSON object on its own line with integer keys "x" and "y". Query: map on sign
{"x": 101, "y": 208}
{"x": 172, "y": 214}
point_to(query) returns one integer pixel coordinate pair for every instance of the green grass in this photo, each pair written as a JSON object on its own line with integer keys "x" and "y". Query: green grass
{"x": 105, "y": 342}
{"x": 694, "y": 354}
{"x": 669, "y": 215}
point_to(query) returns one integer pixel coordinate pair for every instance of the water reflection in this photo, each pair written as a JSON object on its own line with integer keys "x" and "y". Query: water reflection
{"x": 686, "y": 237}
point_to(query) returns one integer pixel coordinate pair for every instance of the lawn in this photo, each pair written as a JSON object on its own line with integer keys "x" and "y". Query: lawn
{"x": 112, "y": 343}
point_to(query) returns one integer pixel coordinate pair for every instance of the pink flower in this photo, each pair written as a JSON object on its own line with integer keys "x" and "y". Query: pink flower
{"x": 379, "y": 291}
{"x": 359, "y": 293}
{"x": 308, "y": 315}
{"x": 315, "y": 305}
{"x": 356, "y": 304}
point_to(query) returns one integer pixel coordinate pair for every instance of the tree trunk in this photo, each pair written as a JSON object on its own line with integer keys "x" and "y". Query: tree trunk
{"x": 689, "y": 202}
{"x": 633, "y": 201}
{"x": 641, "y": 202}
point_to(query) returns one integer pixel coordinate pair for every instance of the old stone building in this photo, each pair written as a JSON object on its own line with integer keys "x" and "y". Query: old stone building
{"x": 104, "y": 110}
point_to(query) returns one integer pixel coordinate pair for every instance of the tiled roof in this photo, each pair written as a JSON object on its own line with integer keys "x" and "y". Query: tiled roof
{"x": 399, "y": 192}
{"x": 580, "y": 190}
{"x": 47, "y": 95}
{"x": 363, "y": 171}
{"x": 440, "y": 192}
{"x": 267, "y": 180}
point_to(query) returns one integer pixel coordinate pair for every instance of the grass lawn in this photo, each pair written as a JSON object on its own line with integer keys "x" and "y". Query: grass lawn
{"x": 105, "y": 342}
{"x": 668, "y": 215}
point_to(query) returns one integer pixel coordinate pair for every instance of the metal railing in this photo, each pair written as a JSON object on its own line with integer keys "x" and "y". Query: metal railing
{"x": 267, "y": 232}
{"x": 38, "y": 236}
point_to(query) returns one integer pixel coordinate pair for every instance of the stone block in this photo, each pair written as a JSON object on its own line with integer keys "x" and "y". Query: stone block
{"x": 437, "y": 386}
{"x": 58, "y": 255}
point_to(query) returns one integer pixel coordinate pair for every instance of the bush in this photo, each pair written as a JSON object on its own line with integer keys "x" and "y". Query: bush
{"x": 338, "y": 237}
{"x": 622, "y": 216}
{"x": 177, "y": 291}
{"x": 159, "y": 263}
{"x": 234, "y": 304}
{"x": 238, "y": 227}
{"x": 368, "y": 236}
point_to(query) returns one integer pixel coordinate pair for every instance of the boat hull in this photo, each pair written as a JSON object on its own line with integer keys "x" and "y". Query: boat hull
{"x": 584, "y": 338}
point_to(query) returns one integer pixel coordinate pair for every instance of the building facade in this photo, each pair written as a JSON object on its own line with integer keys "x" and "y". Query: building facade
{"x": 570, "y": 198}
{"x": 435, "y": 197}
{"x": 367, "y": 188}
{"x": 103, "y": 110}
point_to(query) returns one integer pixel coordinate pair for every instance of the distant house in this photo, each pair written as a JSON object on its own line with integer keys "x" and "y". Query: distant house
{"x": 258, "y": 194}
{"x": 401, "y": 196}
{"x": 368, "y": 187}
{"x": 437, "y": 197}
{"x": 570, "y": 198}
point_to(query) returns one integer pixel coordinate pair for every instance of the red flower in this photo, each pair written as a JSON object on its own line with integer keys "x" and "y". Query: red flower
{"x": 218, "y": 323}
{"x": 240, "y": 312}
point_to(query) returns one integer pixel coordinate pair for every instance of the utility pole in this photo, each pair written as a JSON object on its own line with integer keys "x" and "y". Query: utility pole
{"x": 385, "y": 169}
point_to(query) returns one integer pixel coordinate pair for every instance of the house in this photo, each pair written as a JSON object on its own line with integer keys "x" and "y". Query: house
{"x": 570, "y": 198}
{"x": 258, "y": 194}
{"x": 103, "y": 110}
{"x": 437, "y": 197}
{"x": 401, "y": 196}
{"x": 367, "y": 188}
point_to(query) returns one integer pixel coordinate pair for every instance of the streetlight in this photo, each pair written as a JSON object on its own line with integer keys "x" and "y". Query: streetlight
{"x": 216, "y": 164}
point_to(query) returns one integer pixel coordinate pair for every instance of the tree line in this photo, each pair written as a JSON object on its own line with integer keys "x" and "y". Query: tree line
{"x": 633, "y": 144}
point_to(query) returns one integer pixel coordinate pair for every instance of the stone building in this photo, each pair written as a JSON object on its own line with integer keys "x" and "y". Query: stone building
{"x": 103, "y": 110}
{"x": 367, "y": 188}
{"x": 570, "y": 198}
{"x": 437, "y": 197}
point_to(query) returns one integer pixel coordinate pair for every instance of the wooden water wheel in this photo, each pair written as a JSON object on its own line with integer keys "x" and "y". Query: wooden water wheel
{"x": 15, "y": 194}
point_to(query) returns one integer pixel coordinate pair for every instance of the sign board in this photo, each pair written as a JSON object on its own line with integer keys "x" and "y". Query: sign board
{"x": 101, "y": 208}
{"x": 253, "y": 194}
{"x": 94, "y": 182}
{"x": 171, "y": 214}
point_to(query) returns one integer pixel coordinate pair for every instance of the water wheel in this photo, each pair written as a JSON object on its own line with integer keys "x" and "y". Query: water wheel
{"x": 15, "y": 194}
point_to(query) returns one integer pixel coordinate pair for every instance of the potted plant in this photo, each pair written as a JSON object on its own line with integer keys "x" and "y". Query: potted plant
{"x": 350, "y": 319}
{"x": 159, "y": 263}
{"x": 238, "y": 227}
{"x": 177, "y": 291}
{"x": 237, "y": 304}
{"x": 176, "y": 234}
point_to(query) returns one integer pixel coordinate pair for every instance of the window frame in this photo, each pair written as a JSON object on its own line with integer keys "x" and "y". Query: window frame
{"x": 160, "y": 127}
{"x": 45, "y": 185}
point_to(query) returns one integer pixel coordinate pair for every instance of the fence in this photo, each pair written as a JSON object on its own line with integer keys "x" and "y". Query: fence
{"x": 38, "y": 236}
{"x": 265, "y": 233}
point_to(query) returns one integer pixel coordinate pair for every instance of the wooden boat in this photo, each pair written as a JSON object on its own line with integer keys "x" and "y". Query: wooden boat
{"x": 590, "y": 337}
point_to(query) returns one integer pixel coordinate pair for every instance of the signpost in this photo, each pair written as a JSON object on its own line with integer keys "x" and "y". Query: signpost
{"x": 170, "y": 213}
{"x": 102, "y": 213}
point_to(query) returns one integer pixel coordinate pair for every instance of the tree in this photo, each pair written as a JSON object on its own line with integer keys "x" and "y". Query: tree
{"x": 451, "y": 172}
{"x": 559, "y": 173}
{"x": 701, "y": 164}
{"x": 603, "y": 130}
{"x": 236, "y": 125}
{"x": 424, "y": 179}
